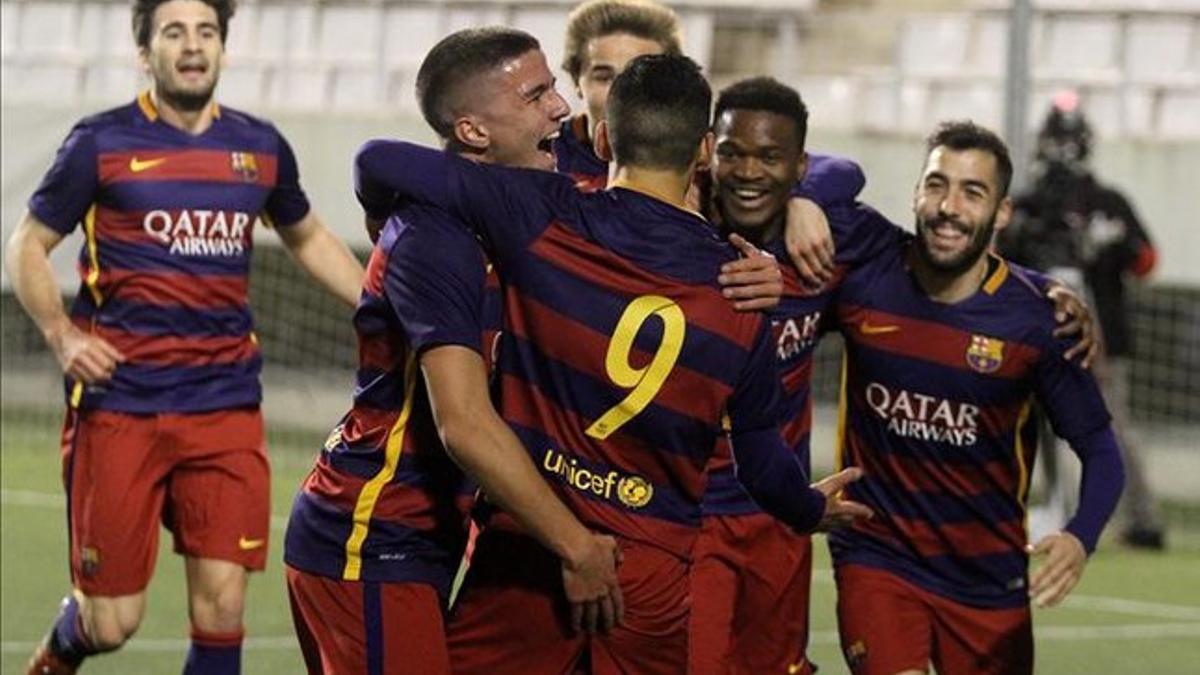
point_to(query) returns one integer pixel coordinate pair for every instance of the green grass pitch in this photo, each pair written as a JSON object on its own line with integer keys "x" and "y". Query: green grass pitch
{"x": 1133, "y": 613}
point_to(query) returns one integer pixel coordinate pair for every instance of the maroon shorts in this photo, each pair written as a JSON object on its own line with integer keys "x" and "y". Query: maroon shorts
{"x": 511, "y": 615}
{"x": 750, "y": 581}
{"x": 888, "y": 625}
{"x": 205, "y": 476}
{"x": 367, "y": 627}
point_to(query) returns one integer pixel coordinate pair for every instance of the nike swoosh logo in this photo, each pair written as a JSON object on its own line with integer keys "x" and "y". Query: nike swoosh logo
{"x": 250, "y": 544}
{"x": 867, "y": 329}
{"x": 138, "y": 166}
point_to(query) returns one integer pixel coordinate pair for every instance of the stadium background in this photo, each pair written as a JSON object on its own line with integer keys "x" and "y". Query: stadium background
{"x": 876, "y": 75}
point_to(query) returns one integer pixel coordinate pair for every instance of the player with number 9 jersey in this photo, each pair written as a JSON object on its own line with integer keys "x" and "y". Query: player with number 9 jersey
{"x": 619, "y": 359}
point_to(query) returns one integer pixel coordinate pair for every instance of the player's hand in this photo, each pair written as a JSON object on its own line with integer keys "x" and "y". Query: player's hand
{"x": 840, "y": 512}
{"x": 754, "y": 281}
{"x": 809, "y": 241}
{"x": 590, "y": 582}
{"x": 84, "y": 357}
{"x": 1063, "y": 559}
{"x": 1074, "y": 318}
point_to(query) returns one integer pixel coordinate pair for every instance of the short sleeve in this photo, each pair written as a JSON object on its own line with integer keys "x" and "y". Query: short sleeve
{"x": 287, "y": 203}
{"x": 435, "y": 280}
{"x": 69, "y": 188}
{"x": 757, "y": 400}
{"x": 1069, "y": 394}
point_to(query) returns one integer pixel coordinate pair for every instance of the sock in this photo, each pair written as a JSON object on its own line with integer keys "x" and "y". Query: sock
{"x": 214, "y": 653}
{"x": 67, "y": 639}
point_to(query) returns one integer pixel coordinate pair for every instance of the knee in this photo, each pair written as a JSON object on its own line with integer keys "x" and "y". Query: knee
{"x": 110, "y": 622}
{"x": 219, "y": 607}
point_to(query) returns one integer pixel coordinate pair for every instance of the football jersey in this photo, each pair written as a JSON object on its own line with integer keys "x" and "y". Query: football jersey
{"x": 796, "y": 326}
{"x": 935, "y": 408}
{"x": 168, "y": 219}
{"x": 575, "y": 158}
{"x": 619, "y": 356}
{"x": 385, "y": 502}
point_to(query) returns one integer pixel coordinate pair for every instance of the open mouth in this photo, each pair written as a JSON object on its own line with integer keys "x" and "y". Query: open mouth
{"x": 546, "y": 145}
{"x": 946, "y": 233}
{"x": 192, "y": 69}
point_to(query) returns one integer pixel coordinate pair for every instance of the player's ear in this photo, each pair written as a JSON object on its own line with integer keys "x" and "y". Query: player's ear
{"x": 1004, "y": 213}
{"x": 601, "y": 143}
{"x": 471, "y": 133}
{"x": 704, "y": 152}
{"x": 802, "y": 166}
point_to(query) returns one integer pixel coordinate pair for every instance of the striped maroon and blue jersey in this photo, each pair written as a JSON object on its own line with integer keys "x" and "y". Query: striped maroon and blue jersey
{"x": 619, "y": 356}
{"x": 796, "y": 326}
{"x": 935, "y": 408}
{"x": 384, "y": 501}
{"x": 168, "y": 220}
{"x": 575, "y": 158}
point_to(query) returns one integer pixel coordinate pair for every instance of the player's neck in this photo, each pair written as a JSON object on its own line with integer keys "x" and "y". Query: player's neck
{"x": 194, "y": 122}
{"x": 948, "y": 287}
{"x": 664, "y": 185}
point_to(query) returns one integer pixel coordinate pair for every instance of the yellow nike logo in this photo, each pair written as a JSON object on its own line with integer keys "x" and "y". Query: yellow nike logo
{"x": 250, "y": 544}
{"x": 867, "y": 329}
{"x": 138, "y": 166}
{"x": 794, "y": 668}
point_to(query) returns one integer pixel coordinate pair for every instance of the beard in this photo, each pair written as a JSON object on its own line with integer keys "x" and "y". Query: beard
{"x": 963, "y": 261}
{"x": 184, "y": 100}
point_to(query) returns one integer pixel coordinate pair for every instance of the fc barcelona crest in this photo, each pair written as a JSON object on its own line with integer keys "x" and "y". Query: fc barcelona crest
{"x": 985, "y": 354}
{"x": 244, "y": 165}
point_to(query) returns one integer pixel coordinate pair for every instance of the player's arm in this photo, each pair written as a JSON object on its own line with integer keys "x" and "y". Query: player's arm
{"x": 1073, "y": 316}
{"x": 87, "y": 358}
{"x": 1077, "y": 412}
{"x": 60, "y": 202}
{"x": 435, "y": 281}
{"x": 504, "y": 206}
{"x": 766, "y": 467}
{"x": 810, "y": 241}
{"x": 484, "y": 446}
{"x": 325, "y": 257}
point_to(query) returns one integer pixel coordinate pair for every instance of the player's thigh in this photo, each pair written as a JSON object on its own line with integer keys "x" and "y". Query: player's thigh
{"x": 716, "y": 561}
{"x": 771, "y": 625}
{"x": 984, "y": 641}
{"x": 510, "y": 615}
{"x": 883, "y": 623}
{"x": 113, "y": 472}
{"x": 364, "y": 628}
{"x": 653, "y": 637}
{"x": 219, "y": 495}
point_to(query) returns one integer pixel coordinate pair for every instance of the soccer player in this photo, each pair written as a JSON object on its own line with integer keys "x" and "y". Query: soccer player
{"x": 752, "y": 613}
{"x": 161, "y": 362}
{"x": 619, "y": 360}
{"x": 375, "y": 536}
{"x": 603, "y": 36}
{"x": 947, "y": 347}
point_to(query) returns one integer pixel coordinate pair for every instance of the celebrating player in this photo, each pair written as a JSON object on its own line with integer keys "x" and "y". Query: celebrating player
{"x": 618, "y": 361}
{"x": 375, "y": 537}
{"x": 752, "y": 616}
{"x": 947, "y": 346}
{"x": 161, "y": 363}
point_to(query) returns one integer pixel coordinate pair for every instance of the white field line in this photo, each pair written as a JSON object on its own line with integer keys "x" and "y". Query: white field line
{"x": 821, "y": 576}
{"x": 47, "y": 500}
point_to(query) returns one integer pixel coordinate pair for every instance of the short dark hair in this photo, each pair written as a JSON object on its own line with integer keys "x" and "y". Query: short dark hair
{"x": 143, "y": 18}
{"x": 658, "y": 112}
{"x": 966, "y": 135}
{"x": 458, "y": 59}
{"x": 765, "y": 94}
